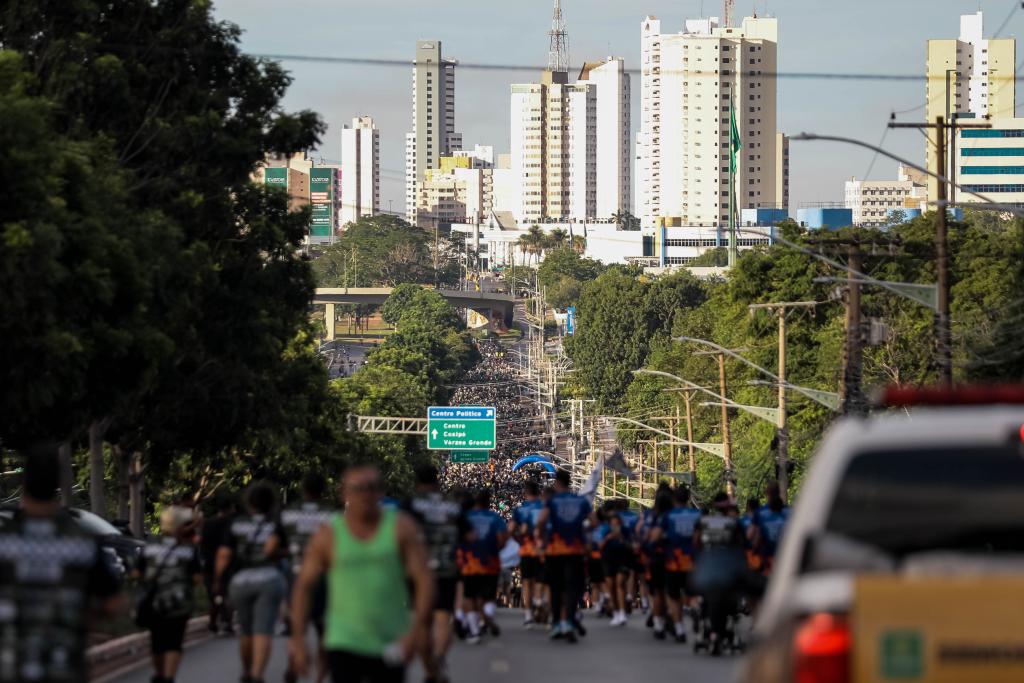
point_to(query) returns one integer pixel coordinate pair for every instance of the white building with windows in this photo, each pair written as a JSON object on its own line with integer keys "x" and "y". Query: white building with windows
{"x": 971, "y": 77}
{"x": 873, "y": 201}
{"x": 433, "y": 119}
{"x": 689, "y": 82}
{"x": 554, "y": 148}
{"x": 613, "y": 134}
{"x": 360, "y": 170}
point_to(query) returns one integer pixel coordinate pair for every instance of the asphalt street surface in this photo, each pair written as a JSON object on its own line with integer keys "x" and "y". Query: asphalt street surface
{"x": 618, "y": 655}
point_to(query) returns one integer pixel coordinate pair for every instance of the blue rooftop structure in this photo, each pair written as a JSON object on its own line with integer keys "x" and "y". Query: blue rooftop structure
{"x": 825, "y": 218}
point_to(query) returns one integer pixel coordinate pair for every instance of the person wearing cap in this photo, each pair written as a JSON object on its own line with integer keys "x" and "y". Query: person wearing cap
{"x": 169, "y": 570}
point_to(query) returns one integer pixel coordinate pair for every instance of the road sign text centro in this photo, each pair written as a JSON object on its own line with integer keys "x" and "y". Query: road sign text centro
{"x": 464, "y": 428}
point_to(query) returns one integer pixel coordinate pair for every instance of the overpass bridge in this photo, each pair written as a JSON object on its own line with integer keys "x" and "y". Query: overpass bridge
{"x": 488, "y": 304}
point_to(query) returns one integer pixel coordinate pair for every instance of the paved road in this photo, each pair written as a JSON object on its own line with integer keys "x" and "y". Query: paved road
{"x": 518, "y": 656}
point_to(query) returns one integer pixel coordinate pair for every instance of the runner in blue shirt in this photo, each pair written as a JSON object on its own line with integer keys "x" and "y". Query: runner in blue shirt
{"x": 630, "y": 525}
{"x": 769, "y": 526}
{"x": 480, "y": 565}
{"x": 680, "y": 524}
{"x": 567, "y": 515}
{"x": 522, "y": 526}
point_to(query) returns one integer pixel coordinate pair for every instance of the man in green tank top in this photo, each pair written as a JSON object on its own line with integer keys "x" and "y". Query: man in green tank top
{"x": 367, "y": 554}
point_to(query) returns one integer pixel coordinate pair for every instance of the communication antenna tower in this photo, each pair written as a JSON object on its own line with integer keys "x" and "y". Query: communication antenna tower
{"x": 558, "y": 51}
{"x": 727, "y": 12}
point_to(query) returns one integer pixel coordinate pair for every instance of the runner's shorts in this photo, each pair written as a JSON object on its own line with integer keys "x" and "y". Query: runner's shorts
{"x": 595, "y": 570}
{"x": 530, "y": 567}
{"x": 256, "y": 595}
{"x": 480, "y": 586}
{"x": 677, "y": 584}
{"x": 444, "y": 593}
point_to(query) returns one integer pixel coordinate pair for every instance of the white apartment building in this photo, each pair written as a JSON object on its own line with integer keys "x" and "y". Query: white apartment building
{"x": 872, "y": 201}
{"x": 613, "y": 134}
{"x": 980, "y": 74}
{"x": 689, "y": 81}
{"x": 360, "y": 170}
{"x": 554, "y": 149}
{"x": 433, "y": 118}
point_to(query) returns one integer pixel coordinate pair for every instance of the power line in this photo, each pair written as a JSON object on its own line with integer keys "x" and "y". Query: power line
{"x": 469, "y": 66}
{"x": 1013, "y": 10}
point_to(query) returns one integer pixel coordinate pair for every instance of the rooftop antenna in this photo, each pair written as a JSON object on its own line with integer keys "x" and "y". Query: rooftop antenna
{"x": 558, "y": 51}
{"x": 727, "y": 11}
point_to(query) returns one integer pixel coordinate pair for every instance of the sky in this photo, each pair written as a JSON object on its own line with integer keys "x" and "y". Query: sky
{"x": 823, "y": 36}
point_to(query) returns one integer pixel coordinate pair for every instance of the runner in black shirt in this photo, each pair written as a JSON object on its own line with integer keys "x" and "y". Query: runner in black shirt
{"x": 51, "y": 574}
{"x": 300, "y": 523}
{"x": 443, "y": 525}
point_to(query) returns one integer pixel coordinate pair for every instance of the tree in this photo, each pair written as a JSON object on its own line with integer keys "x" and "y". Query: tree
{"x": 625, "y": 220}
{"x": 398, "y": 302}
{"x": 185, "y": 117}
{"x": 619, "y": 317}
{"x": 563, "y": 274}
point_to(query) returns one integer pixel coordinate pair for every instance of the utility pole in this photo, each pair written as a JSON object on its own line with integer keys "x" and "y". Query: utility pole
{"x": 943, "y": 341}
{"x": 688, "y": 397}
{"x": 942, "y": 331}
{"x": 850, "y": 391}
{"x": 730, "y": 486}
{"x": 781, "y": 309}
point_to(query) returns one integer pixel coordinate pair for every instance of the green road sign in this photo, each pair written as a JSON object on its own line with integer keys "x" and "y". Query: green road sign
{"x": 461, "y": 428}
{"x": 466, "y": 457}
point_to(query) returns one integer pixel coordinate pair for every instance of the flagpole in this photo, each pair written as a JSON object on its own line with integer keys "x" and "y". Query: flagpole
{"x": 732, "y": 182}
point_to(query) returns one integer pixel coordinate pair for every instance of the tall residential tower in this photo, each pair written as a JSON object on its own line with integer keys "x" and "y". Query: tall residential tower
{"x": 360, "y": 170}
{"x": 689, "y": 83}
{"x": 433, "y": 122}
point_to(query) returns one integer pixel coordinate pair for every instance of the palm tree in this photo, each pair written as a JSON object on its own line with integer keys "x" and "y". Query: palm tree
{"x": 579, "y": 244}
{"x": 524, "y": 246}
{"x": 535, "y": 240}
{"x": 625, "y": 220}
{"x": 557, "y": 238}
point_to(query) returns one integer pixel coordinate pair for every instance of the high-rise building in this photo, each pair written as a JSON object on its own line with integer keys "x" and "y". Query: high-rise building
{"x": 433, "y": 120}
{"x": 554, "y": 148}
{"x": 969, "y": 77}
{"x": 690, "y": 84}
{"x": 613, "y": 134}
{"x": 782, "y": 170}
{"x": 360, "y": 170}
{"x": 874, "y": 201}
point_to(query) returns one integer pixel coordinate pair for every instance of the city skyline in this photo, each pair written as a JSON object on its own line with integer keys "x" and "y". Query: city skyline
{"x": 810, "y": 40}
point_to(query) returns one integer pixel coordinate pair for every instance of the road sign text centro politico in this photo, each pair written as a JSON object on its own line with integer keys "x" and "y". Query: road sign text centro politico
{"x": 463, "y": 428}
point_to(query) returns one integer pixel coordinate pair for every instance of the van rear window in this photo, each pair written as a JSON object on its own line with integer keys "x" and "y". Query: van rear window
{"x": 906, "y": 501}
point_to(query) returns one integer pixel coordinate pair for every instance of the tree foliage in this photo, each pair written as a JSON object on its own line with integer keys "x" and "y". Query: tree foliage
{"x": 621, "y": 318}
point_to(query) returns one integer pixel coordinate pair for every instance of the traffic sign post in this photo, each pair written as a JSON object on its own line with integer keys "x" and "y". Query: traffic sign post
{"x": 461, "y": 428}
{"x": 467, "y": 457}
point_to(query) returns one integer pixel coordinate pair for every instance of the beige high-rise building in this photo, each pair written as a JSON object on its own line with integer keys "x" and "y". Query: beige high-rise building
{"x": 360, "y": 170}
{"x": 433, "y": 103}
{"x": 980, "y": 74}
{"x": 689, "y": 82}
{"x": 554, "y": 148}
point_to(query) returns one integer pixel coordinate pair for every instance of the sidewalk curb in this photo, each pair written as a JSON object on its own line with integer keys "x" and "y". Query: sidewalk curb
{"x": 123, "y": 654}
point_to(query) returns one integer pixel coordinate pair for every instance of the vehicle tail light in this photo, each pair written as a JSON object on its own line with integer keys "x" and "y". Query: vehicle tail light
{"x": 822, "y": 650}
{"x": 1007, "y": 394}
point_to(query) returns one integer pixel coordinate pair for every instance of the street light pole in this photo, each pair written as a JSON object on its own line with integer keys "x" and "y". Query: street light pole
{"x": 730, "y": 487}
